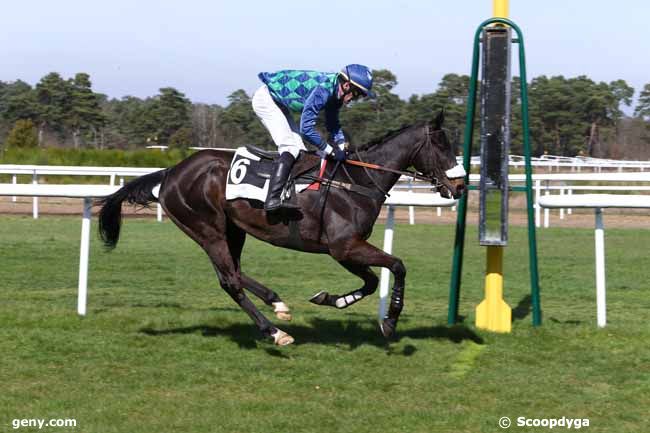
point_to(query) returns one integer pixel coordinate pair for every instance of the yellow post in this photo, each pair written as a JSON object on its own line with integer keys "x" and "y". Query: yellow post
{"x": 500, "y": 9}
{"x": 493, "y": 313}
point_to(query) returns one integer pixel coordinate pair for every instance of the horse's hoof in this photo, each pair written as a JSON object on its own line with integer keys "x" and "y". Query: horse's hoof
{"x": 319, "y": 298}
{"x": 387, "y": 327}
{"x": 281, "y": 311}
{"x": 281, "y": 338}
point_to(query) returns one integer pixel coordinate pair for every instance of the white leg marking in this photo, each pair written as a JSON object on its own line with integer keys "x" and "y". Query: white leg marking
{"x": 281, "y": 311}
{"x": 281, "y": 338}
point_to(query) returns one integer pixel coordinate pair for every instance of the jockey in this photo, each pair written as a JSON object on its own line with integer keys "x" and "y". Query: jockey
{"x": 308, "y": 93}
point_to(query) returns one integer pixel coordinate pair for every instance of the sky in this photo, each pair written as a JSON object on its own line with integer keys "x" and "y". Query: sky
{"x": 208, "y": 49}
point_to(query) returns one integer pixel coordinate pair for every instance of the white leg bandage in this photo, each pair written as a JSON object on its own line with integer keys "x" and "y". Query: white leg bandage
{"x": 350, "y": 299}
{"x": 280, "y": 307}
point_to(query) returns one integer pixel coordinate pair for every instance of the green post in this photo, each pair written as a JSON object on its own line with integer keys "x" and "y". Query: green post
{"x": 459, "y": 243}
{"x": 532, "y": 238}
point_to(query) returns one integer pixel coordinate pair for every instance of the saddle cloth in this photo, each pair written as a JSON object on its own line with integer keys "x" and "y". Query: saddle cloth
{"x": 248, "y": 176}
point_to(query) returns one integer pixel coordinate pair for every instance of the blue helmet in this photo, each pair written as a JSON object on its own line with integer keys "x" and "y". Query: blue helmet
{"x": 360, "y": 76}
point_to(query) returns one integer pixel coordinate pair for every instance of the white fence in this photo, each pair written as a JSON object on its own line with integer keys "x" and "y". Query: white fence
{"x": 85, "y": 192}
{"x": 113, "y": 175}
{"x": 573, "y": 164}
{"x": 548, "y": 162}
{"x": 598, "y": 202}
{"x": 568, "y": 183}
{"x": 562, "y": 183}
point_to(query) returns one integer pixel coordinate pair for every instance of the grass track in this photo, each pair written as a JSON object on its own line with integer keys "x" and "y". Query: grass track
{"x": 164, "y": 349}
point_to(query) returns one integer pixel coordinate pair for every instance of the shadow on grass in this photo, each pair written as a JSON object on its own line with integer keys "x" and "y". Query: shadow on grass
{"x": 523, "y": 308}
{"x": 565, "y": 322}
{"x": 327, "y": 332}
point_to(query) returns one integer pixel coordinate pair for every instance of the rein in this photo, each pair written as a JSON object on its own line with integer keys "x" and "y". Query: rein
{"x": 413, "y": 174}
{"x": 365, "y": 170}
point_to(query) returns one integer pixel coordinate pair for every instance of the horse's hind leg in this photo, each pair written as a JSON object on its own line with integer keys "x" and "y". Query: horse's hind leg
{"x": 231, "y": 282}
{"x": 370, "y": 282}
{"x": 267, "y": 295}
{"x": 236, "y": 238}
{"x": 210, "y": 232}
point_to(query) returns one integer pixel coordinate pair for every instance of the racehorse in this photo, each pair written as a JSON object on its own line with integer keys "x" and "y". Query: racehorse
{"x": 335, "y": 220}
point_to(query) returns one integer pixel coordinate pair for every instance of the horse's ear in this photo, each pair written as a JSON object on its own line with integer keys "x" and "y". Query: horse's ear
{"x": 439, "y": 120}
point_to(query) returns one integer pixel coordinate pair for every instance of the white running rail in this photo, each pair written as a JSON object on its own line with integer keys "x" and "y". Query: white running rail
{"x": 85, "y": 192}
{"x": 597, "y": 202}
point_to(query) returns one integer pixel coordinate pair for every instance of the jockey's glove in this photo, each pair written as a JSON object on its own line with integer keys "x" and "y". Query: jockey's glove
{"x": 335, "y": 152}
{"x": 339, "y": 154}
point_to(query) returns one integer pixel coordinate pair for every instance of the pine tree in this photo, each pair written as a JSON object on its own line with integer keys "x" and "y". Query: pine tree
{"x": 85, "y": 114}
{"x": 54, "y": 100}
{"x": 23, "y": 134}
{"x": 643, "y": 105}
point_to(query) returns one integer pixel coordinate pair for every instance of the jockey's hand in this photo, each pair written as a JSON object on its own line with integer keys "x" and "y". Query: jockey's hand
{"x": 339, "y": 154}
{"x": 336, "y": 152}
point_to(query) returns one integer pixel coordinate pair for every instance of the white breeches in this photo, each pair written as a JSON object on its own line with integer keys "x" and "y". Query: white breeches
{"x": 283, "y": 129}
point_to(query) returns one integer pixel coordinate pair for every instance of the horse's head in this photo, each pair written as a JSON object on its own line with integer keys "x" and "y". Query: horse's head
{"x": 434, "y": 157}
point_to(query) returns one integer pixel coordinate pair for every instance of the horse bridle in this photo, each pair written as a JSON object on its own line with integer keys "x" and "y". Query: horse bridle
{"x": 414, "y": 174}
{"x": 428, "y": 133}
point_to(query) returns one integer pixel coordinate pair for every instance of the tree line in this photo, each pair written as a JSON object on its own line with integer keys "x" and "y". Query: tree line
{"x": 568, "y": 116}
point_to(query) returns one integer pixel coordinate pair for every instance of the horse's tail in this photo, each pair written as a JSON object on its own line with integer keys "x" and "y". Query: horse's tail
{"x": 138, "y": 191}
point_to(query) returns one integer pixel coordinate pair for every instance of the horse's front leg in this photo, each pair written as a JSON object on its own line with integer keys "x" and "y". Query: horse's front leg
{"x": 370, "y": 282}
{"x": 360, "y": 252}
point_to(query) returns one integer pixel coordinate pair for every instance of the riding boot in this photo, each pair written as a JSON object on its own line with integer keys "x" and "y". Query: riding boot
{"x": 280, "y": 172}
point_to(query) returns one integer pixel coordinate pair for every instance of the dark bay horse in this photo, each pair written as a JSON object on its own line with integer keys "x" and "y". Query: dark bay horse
{"x": 192, "y": 193}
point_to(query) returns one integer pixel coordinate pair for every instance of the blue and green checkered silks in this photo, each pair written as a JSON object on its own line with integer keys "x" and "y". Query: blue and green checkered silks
{"x": 292, "y": 87}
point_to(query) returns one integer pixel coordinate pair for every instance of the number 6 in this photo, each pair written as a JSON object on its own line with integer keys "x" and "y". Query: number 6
{"x": 238, "y": 171}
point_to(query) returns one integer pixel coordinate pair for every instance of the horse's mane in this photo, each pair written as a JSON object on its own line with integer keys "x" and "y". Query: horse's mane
{"x": 387, "y": 136}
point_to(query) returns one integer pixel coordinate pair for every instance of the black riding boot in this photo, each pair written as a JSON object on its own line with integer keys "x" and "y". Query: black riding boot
{"x": 281, "y": 169}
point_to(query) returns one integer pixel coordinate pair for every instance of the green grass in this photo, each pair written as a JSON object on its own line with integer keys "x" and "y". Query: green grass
{"x": 164, "y": 349}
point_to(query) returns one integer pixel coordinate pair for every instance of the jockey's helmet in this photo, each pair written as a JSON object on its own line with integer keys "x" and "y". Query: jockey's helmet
{"x": 361, "y": 77}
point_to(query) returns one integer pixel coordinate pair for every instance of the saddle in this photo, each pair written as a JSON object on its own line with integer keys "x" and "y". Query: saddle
{"x": 306, "y": 159}
{"x": 262, "y": 153}
{"x": 250, "y": 172}
{"x": 271, "y": 155}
